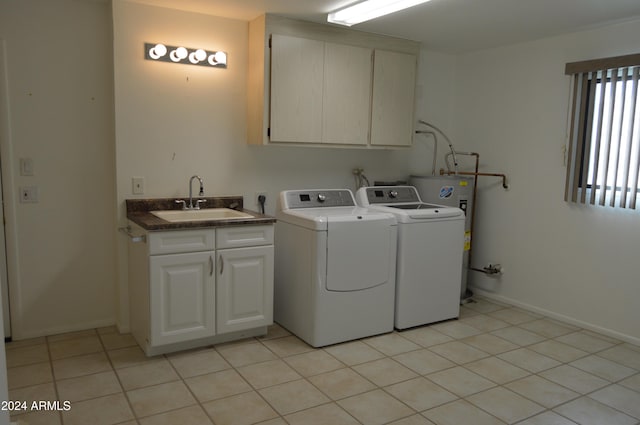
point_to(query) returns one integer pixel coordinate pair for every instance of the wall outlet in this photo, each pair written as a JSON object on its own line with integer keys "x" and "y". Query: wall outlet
{"x": 29, "y": 194}
{"x": 137, "y": 185}
{"x": 258, "y": 194}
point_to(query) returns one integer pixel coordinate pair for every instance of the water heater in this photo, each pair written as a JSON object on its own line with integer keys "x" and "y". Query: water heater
{"x": 454, "y": 191}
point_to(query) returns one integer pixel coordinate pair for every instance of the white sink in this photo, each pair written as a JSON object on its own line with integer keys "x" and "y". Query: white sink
{"x": 206, "y": 214}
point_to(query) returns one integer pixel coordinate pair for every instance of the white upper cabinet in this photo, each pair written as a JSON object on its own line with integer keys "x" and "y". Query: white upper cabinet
{"x": 314, "y": 84}
{"x": 320, "y": 92}
{"x": 297, "y": 66}
{"x": 392, "y": 108}
{"x": 346, "y": 94}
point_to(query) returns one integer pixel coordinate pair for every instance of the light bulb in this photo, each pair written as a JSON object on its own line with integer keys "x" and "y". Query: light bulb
{"x": 181, "y": 52}
{"x": 221, "y": 57}
{"x": 200, "y": 55}
{"x": 157, "y": 51}
{"x": 197, "y": 56}
{"x": 178, "y": 54}
{"x": 218, "y": 58}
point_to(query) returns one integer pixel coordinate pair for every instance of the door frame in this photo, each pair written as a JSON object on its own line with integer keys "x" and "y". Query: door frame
{"x": 8, "y": 234}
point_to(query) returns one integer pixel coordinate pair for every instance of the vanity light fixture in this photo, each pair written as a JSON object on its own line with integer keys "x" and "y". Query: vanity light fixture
{"x": 185, "y": 55}
{"x": 369, "y": 9}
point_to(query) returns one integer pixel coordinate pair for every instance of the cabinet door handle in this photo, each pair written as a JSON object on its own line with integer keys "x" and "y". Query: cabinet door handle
{"x": 210, "y": 265}
{"x": 221, "y": 264}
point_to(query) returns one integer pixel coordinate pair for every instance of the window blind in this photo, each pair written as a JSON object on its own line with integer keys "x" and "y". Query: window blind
{"x": 604, "y": 139}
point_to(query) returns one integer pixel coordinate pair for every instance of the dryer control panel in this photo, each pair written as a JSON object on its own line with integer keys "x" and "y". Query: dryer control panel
{"x": 392, "y": 194}
{"x": 318, "y": 198}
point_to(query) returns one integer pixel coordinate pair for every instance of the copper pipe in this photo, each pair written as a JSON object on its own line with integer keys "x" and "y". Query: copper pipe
{"x": 474, "y": 199}
{"x": 475, "y": 174}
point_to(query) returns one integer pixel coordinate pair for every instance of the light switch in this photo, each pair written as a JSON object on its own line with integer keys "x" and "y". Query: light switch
{"x": 137, "y": 185}
{"x": 26, "y": 167}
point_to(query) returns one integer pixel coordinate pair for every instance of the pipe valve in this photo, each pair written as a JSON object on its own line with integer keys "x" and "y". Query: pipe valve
{"x": 493, "y": 269}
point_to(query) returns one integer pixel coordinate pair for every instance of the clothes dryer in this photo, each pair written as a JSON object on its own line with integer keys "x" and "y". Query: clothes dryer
{"x": 430, "y": 247}
{"x": 334, "y": 267}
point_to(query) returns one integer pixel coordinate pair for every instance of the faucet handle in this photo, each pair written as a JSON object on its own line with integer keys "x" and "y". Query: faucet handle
{"x": 198, "y": 202}
{"x": 183, "y": 202}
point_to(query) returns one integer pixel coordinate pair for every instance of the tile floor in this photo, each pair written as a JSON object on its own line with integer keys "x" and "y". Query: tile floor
{"x": 496, "y": 365}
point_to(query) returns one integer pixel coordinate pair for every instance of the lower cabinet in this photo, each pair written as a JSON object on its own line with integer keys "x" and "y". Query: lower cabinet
{"x": 183, "y": 297}
{"x": 185, "y": 293}
{"x": 244, "y": 288}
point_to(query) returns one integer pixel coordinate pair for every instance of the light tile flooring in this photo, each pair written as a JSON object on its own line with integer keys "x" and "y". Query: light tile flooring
{"x": 495, "y": 365}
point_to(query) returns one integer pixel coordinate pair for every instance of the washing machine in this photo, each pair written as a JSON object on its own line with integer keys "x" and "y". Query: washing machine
{"x": 335, "y": 267}
{"x": 430, "y": 251}
{"x": 453, "y": 191}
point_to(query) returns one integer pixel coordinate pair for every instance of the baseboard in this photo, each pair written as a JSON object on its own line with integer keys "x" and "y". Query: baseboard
{"x": 62, "y": 329}
{"x": 559, "y": 317}
{"x": 123, "y": 329}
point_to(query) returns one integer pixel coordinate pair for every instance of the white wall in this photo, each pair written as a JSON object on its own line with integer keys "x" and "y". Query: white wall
{"x": 435, "y": 102}
{"x": 173, "y": 121}
{"x": 573, "y": 262}
{"x": 60, "y": 109}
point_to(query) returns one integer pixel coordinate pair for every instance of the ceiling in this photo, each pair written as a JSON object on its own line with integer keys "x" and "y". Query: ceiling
{"x": 453, "y": 26}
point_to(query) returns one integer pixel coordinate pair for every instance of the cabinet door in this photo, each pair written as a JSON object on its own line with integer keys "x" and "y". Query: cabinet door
{"x": 244, "y": 288}
{"x": 347, "y": 94}
{"x": 394, "y": 81}
{"x": 296, "y": 89}
{"x": 182, "y": 297}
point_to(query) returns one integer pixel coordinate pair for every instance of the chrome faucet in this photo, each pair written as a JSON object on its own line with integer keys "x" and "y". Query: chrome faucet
{"x": 198, "y": 201}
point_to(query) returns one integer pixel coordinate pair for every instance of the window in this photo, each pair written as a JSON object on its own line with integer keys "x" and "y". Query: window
{"x": 604, "y": 144}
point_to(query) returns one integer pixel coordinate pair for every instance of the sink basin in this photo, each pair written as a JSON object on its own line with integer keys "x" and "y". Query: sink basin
{"x": 206, "y": 214}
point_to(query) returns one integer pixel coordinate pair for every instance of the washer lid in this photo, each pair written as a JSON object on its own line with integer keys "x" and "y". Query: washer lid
{"x": 420, "y": 206}
{"x": 422, "y": 212}
{"x": 318, "y": 218}
{"x": 404, "y": 203}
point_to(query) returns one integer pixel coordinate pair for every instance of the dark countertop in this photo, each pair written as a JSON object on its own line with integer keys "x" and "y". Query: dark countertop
{"x": 138, "y": 211}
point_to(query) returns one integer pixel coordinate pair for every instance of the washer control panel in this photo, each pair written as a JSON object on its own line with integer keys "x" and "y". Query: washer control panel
{"x": 317, "y": 198}
{"x": 392, "y": 194}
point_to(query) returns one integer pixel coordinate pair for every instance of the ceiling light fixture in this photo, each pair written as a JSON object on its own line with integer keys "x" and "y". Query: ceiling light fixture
{"x": 369, "y": 9}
